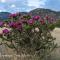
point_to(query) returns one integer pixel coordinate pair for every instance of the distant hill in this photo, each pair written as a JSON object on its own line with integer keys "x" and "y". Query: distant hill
{"x": 43, "y": 12}
{"x": 23, "y": 13}
{"x": 4, "y": 15}
{"x": 39, "y": 11}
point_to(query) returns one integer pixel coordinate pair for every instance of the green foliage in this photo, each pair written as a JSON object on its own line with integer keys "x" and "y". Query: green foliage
{"x": 57, "y": 24}
{"x": 51, "y": 26}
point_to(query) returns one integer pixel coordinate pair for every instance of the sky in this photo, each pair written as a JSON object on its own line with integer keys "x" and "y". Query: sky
{"x": 28, "y": 5}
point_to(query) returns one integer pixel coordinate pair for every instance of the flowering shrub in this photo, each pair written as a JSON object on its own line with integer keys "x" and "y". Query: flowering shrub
{"x": 29, "y": 36}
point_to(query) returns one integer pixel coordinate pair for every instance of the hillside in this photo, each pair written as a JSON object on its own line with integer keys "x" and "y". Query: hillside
{"x": 4, "y": 15}
{"x": 39, "y": 11}
{"x": 43, "y": 12}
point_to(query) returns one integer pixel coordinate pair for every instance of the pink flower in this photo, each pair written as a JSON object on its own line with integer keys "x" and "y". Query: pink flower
{"x": 42, "y": 22}
{"x": 14, "y": 24}
{"x": 47, "y": 18}
{"x": 1, "y": 23}
{"x": 30, "y": 21}
{"x": 11, "y": 24}
{"x": 51, "y": 20}
{"x": 17, "y": 25}
{"x": 6, "y": 31}
{"x": 36, "y": 17}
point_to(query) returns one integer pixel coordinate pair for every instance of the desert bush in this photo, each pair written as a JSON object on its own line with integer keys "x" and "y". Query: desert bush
{"x": 29, "y": 35}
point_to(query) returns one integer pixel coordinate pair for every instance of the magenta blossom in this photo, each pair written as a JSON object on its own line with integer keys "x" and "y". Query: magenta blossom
{"x": 1, "y": 23}
{"x": 11, "y": 24}
{"x": 6, "y": 31}
{"x": 47, "y": 18}
{"x": 42, "y": 22}
{"x": 19, "y": 26}
{"x": 30, "y": 22}
{"x": 36, "y": 17}
{"x": 12, "y": 15}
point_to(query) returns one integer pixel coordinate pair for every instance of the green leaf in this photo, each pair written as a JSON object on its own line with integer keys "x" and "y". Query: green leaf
{"x": 26, "y": 27}
{"x": 37, "y": 23}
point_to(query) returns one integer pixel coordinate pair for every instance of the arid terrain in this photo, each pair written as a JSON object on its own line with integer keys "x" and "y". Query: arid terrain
{"x": 56, "y": 34}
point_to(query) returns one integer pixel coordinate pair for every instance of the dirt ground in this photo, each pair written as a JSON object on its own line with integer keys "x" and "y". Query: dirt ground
{"x": 56, "y": 34}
